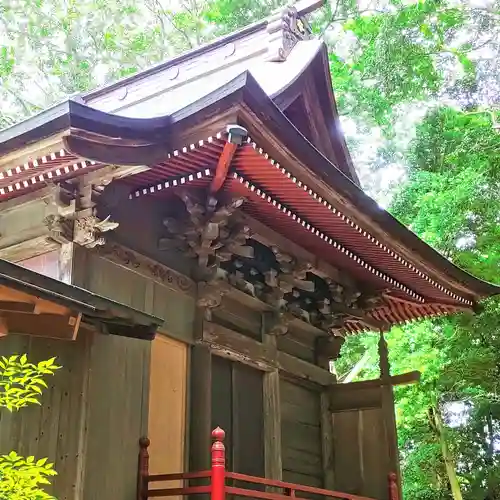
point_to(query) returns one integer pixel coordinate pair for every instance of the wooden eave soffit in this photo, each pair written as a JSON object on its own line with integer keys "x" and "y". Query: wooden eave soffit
{"x": 26, "y": 314}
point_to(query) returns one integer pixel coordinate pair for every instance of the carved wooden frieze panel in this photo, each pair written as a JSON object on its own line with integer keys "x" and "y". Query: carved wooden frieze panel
{"x": 147, "y": 267}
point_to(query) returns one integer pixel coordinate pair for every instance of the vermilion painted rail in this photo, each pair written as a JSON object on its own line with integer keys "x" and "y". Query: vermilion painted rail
{"x": 218, "y": 488}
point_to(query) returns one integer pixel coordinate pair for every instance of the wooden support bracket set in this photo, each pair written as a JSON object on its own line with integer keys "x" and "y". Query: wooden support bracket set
{"x": 217, "y": 235}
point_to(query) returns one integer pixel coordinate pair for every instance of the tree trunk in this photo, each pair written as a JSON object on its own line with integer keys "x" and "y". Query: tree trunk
{"x": 349, "y": 377}
{"x": 491, "y": 437}
{"x": 449, "y": 461}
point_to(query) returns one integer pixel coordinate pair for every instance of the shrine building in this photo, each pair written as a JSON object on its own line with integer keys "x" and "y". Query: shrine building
{"x": 193, "y": 244}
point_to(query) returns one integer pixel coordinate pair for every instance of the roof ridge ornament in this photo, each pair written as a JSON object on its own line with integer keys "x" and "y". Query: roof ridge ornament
{"x": 285, "y": 30}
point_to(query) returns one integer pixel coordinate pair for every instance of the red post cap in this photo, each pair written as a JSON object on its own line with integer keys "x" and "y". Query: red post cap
{"x": 218, "y": 434}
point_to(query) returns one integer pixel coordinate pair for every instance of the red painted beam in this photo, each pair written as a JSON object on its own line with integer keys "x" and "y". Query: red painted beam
{"x": 223, "y": 167}
{"x": 235, "y": 137}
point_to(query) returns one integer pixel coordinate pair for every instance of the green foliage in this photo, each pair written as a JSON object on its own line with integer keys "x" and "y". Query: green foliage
{"x": 21, "y": 382}
{"x": 20, "y": 478}
{"x": 455, "y": 177}
{"x": 230, "y": 15}
{"x": 400, "y": 53}
{"x": 450, "y": 200}
{"x": 51, "y": 49}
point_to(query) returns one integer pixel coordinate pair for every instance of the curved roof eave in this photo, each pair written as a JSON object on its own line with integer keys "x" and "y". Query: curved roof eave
{"x": 93, "y": 134}
{"x": 368, "y": 212}
{"x": 303, "y": 7}
{"x": 109, "y": 138}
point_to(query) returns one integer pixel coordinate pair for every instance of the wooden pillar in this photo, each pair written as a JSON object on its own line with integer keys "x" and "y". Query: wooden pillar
{"x": 272, "y": 411}
{"x": 388, "y": 410}
{"x": 327, "y": 441}
{"x": 201, "y": 407}
{"x": 326, "y": 350}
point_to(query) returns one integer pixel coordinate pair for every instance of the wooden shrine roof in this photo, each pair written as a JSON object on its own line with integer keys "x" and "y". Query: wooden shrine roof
{"x": 166, "y": 130}
{"x": 34, "y": 304}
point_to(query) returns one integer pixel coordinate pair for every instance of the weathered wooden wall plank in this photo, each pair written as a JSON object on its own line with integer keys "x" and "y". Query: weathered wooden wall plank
{"x": 146, "y": 214}
{"x": 360, "y": 462}
{"x": 375, "y": 464}
{"x": 235, "y": 316}
{"x": 50, "y": 430}
{"x": 301, "y": 434}
{"x": 23, "y": 222}
{"x": 115, "y": 416}
{"x": 327, "y": 440}
{"x": 272, "y": 409}
{"x": 200, "y": 421}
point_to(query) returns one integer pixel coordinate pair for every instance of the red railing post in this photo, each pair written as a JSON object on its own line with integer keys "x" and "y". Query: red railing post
{"x": 393, "y": 486}
{"x": 142, "y": 480}
{"x": 218, "y": 489}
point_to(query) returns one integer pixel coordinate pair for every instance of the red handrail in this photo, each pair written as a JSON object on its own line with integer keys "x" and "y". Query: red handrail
{"x": 292, "y": 488}
{"x": 217, "y": 475}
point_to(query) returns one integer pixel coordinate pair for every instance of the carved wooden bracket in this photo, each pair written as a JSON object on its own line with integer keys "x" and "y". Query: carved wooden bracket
{"x": 210, "y": 295}
{"x": 86, "y": 231}
{"x": 328, "y": 349}
{"x": 74, "y": 219}
{"x": 213, "y": 233}
{"x": 60, "y": 228}
{"x": 277, "y": 322}
{"x": 209, "y": 232}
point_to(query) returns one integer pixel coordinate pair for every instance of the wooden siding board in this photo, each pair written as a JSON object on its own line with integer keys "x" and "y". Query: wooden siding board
{"x": 327, "y": 441}
{"x": 146, "y": 214}
{"x": 272, "y": 426}
{"x": 50, "y": 430}
{"x": 305, "y": 479}
{"x": 115, "y": 417}
{"x": 293, "y": 346}
{"x": 222, "y": 411}
{"x": 235, "y": 316}
{"x": 299, "y": 395}
{"x": 249, "y": 419}
{"x": 303, "y": 462}
{"x": 298, "y": 413}
{"x": 71, "y": 404}
{"x": 200, "y": 424}
{"x": 167, "y": 399}
{"x": 177, "y": 309}
{"x": 373, "y": 463}
{"x": 302, "y": 437}
{"x": 301, "y": 434}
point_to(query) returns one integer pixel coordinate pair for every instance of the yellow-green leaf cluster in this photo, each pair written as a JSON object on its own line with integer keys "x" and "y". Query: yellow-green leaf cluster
{"x": 22, "y": 382}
